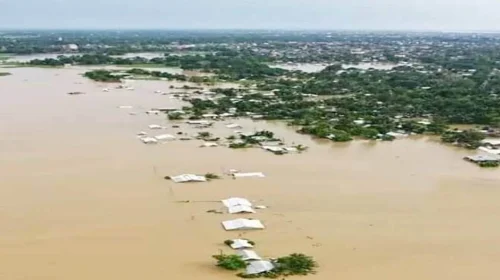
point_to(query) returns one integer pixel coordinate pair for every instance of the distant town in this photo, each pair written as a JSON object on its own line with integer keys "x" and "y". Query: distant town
{"x": 333, "y": 85}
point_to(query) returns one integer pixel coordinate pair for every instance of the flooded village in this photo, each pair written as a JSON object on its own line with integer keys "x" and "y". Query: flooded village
{"x": 136, "y": 180}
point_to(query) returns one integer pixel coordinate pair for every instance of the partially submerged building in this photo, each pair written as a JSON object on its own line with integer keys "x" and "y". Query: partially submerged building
{"x": 491, "y": 142}
{"x": 242, "y": 224}
{"x": 155, "y": 126}
{"x": 240, "y": 244}
{"x": 165, "y": 137}
{"x": 185, "y": 178}
{"x": 251, "y": 174}
{"x": 240, "y": 209}
{"x": 483, "y": 158}
{"x": 236, "y": 201}
{"x": 148, "y": 140}
{"x": 257, "y": 267}
{"x": 248, "y": 255}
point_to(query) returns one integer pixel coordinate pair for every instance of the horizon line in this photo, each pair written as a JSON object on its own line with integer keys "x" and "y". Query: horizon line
{"x": 322, "y": 30}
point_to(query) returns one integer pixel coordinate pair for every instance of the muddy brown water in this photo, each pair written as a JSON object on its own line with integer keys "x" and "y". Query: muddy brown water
{"x": 82, "y": 198}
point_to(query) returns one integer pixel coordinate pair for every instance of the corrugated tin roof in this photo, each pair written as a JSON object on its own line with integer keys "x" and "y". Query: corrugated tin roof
{"x": 155, "y": 126}
{"x": 242, "y": 224}
{"x": 257, "y": 267}
{"x": 149, "y": 140}
{"x": 183, "y": 178}
{"x": 235, "y": 201}
{"x": 491, "y": 141}
{"x": 210, "y": 144}
{"x": 233, "y": 125}
{"x": 483, "y": 158}
{"x": 248, "y": 255}
{"x": 240, "y": 244}
{"x": 165, "y": 137}
{"x": 251, "y": 174}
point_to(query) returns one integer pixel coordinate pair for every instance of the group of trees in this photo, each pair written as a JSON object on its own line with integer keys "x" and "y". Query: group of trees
{"x": 103, "y": 76}
{"x": 469, "y": 138}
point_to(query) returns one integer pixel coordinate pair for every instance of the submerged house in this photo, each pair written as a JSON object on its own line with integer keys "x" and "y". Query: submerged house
{"x": 236, "y": 201}
{"x": 239, "y": 209}
{"x": 493, "y": 143}
{"x": 484, "y": 159}
{"x": 155, "y": 126}
{"x": 184, "y": 178}
{"x": 242, "y": 224}
{"x": 257, "y": 267}
{"x": 248, "y": 255}
{"x": 165, "y": 137}
{"x": 252, "y": 174}
{"x": 240, "y": 244}
{"x": 148, "y": 140}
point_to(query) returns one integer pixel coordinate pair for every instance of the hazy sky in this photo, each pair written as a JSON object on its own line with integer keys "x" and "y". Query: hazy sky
{"x": 253, "y": 14}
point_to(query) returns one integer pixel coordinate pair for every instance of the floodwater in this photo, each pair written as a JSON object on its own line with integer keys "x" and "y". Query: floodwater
{"x": 82, "y": 198}
{"x": 304, "y": 67}
{"x": 318, "y": 67}
{"x": 27, "y": 58}
{"x": 371, "y": 65}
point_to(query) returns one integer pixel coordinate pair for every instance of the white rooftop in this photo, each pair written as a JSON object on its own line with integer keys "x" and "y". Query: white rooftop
{"x": 198, "y": 122}
{"x": 273, "y": 149}
{"x": 491, "y": 141}
{"x": 240, "y": 244}
{"x": 490, "y": 151}
{"x": 149, "y": 140}
{"x": 235, "y": 201}
{"x": 251, "y": 174}
{"x": 257, "y": 267}
{"x": 183, "y": 178}
{"x": 154, "y": 126}
{"x": 233, "y": 125}
{"x": 242, "y": 224}
{"x": 165, "y": 137}
{"x": 248, "y": 255}
{"x": 210, "y": 144}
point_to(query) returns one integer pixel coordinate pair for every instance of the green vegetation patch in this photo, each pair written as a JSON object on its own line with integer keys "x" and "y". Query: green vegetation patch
{"x": 230, "y": 262}
{"x": 294, "y": 264}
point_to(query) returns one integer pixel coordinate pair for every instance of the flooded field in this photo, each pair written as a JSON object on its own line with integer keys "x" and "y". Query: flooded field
{"x": 82, "y": 198}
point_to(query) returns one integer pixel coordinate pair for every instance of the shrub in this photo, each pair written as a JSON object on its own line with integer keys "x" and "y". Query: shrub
{"x": 238, "y": 145}
{"x": 301, "y": 148}
{"x": 490, "y": 164}
{"x": 175, "y": 116}
{"x": 295, "y": 264}
{"x": 230, "y": 262}
{"x": 212, "y": 176}
{"x": 388, "y": 137}
{"x": 203, "y": 135}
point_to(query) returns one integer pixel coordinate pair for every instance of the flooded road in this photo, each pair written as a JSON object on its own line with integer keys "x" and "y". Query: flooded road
{"x": 82, "y": 198}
